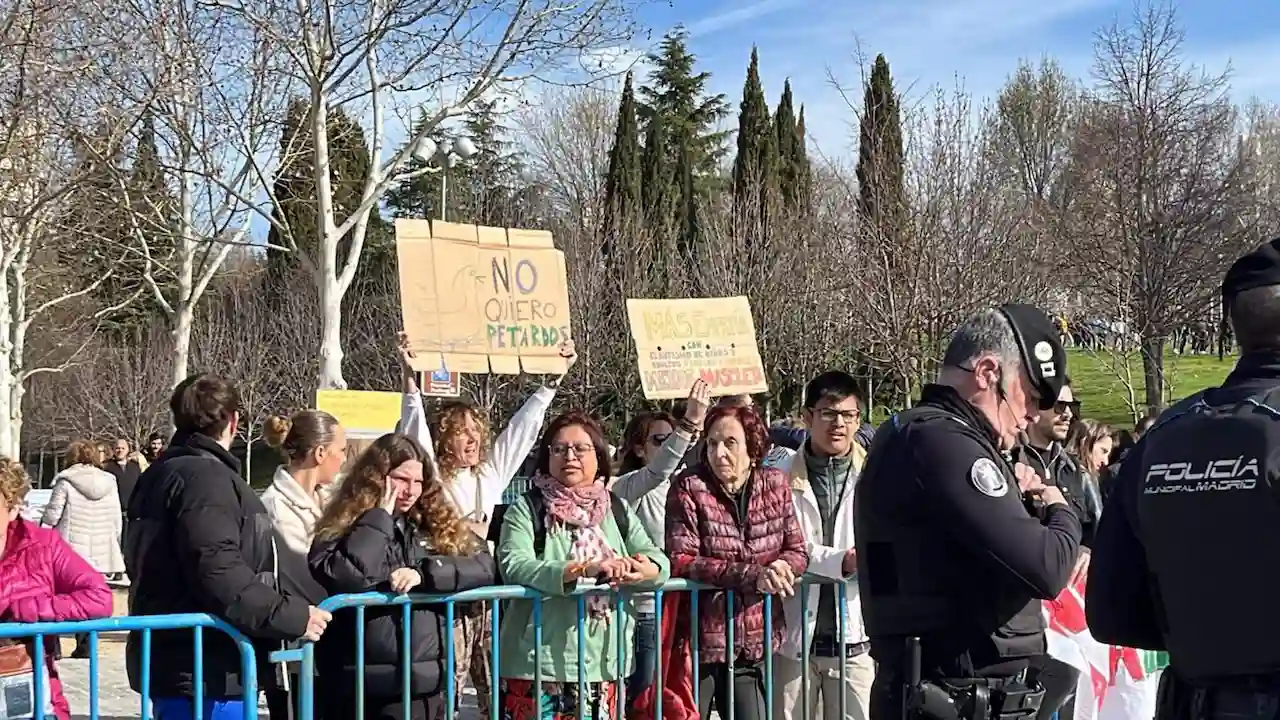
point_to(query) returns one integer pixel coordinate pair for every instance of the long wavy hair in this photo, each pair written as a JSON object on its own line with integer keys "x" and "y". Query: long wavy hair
{"x": 433, "y": 514}
{"x": 450, "y": 418}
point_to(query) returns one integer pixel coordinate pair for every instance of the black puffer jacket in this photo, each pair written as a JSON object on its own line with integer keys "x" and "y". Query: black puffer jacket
{"x": 362, "y": 561}
{"x": 200, "y": 541}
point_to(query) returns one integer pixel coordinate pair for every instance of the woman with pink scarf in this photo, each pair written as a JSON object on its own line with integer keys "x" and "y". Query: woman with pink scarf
{"x": 569, "y": 529}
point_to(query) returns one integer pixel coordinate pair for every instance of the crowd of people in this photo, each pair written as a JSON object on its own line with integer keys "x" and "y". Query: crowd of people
{"x": 710, "y": 493}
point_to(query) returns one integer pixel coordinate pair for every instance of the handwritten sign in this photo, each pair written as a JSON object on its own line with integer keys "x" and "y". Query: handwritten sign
{"x": 679, "y": 341}
{"x": 363, "y": 414}
{"x": 482, "y": 299}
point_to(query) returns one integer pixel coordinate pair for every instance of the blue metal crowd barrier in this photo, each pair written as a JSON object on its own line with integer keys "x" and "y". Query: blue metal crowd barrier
{"x": 494, "y": 595}
{"x": 305, "y": 654}
{"x": 146, "y": 624}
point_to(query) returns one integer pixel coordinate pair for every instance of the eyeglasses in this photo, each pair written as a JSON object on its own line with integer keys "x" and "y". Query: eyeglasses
{"x": 560, "y": 450}
{"x": 850, "y": 417}
{"x": 659, "y": 440}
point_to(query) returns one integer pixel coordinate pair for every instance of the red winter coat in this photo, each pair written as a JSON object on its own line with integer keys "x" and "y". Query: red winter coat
{"x": 43, "y": 580}
{"x": 709, "y": 543}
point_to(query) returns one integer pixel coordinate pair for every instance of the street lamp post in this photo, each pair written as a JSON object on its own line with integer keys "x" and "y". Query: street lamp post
{"x": 444, "y": 157}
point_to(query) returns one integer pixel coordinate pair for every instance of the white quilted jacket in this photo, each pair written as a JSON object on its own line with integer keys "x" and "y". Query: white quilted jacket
{"x": 85, "y": 509}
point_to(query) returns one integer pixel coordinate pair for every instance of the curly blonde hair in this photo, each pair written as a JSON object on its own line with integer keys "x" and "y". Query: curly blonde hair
{"x": 433, "y": 515}
{"x": 14, "y": 482}
{"x": 450, "y": 419}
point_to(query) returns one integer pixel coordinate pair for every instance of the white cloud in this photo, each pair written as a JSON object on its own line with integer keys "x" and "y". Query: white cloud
{"x": 739, "y": 15}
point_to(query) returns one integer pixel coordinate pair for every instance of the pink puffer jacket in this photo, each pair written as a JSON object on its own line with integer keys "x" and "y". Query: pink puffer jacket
{"x": 43, "y": 579}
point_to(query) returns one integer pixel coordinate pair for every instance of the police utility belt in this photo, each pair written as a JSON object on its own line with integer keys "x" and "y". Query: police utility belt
{"x": 974, "y": 698}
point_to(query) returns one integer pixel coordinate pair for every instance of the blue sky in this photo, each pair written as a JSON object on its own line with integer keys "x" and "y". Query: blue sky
{"x": 932, "y": 42}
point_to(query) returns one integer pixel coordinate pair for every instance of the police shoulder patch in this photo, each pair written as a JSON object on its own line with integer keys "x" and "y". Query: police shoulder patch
{"x": 987, "y": 478}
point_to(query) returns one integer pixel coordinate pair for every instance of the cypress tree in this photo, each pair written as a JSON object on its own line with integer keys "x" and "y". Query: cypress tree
{"x": 789, "y": 151}
{"x": 882, "y": 194}
{"x": 658, "y": 178}
{"x": 752, "y": 165}
{"x": 805, "y": 168}
{"x": 623, "y": 200}
{"x": 687, "y": 242}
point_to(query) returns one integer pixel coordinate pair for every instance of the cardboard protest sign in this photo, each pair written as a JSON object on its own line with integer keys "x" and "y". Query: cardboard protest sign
{"x": 679, "y": 341}
{"x": 482, "y": 299}
{"x": 362, "y": 413}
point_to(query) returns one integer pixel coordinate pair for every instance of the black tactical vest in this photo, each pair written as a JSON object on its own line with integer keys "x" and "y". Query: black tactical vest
{"x": 915, "y": 579}
{"x": 1208, "y": 517}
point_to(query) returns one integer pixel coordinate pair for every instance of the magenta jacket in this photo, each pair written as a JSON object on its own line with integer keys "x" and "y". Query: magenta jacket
{"x": 43, "y": 579}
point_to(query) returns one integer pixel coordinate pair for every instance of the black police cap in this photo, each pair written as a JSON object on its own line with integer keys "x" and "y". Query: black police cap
{"x": 1259, "y": 268}
{"x": 1042, "y": 352}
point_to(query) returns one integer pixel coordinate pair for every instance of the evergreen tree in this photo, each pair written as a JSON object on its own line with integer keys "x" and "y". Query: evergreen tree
{"x": 657, "y": 189}
{"x": 882, "y": 194}
{"x": 687, "y": 242}
{"x": 623, "y": 201}
{"x": 790, "y": 148}
{"x": 677, "y": 95}
{"x": 753, "y": 165}
{"x": 805, "y": 168}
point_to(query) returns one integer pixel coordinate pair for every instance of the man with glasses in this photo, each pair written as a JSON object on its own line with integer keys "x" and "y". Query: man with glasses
{"x": 1044, "y": 451}
{"x": 823, "y": 474}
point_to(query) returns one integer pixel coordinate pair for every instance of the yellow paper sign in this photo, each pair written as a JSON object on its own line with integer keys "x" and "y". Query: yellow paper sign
{"x": 679, "y": 341}
{"x": 482, "y": 299}
{"x": 362, "y": 413}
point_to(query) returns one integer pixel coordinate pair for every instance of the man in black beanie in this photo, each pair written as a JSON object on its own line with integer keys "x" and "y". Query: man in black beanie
{"x": 1186, "y": 555}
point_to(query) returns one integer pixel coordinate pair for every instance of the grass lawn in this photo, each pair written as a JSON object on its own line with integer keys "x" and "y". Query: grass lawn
{"x": 1098, "y": 381}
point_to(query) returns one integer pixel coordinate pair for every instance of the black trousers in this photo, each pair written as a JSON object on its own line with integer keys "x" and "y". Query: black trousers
{"x": 746, "y": 687}
{"x": 1059, "y": 682}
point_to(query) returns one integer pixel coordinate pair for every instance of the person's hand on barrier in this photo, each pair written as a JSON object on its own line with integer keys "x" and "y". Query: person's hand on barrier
{"x": 404, "y": 580}
{"x": 645, "y": 569}
{"x": 388, "y": 500}
{"x": 850, "y": 564}
{"x": 317, "y": 621}
{"x": 695, "y": 410}
{"x": 786, "y": 574}
{"x": 617, "y": 571}
{"x": 768, "y": 583}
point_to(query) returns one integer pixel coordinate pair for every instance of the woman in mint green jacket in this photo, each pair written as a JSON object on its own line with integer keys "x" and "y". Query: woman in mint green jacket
{"x": 583, "y": 538}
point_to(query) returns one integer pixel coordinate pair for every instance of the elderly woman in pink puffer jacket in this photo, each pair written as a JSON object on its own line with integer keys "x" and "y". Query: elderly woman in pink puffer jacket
{"x": 41, "y": 577}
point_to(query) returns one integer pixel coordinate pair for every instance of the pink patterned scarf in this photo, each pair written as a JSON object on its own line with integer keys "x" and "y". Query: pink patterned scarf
{"x": 579, "y": 511}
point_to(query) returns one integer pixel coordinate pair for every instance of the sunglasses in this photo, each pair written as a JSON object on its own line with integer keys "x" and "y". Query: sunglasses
{"x": 1061, "y": 407}
{"x": 659, "y": 440}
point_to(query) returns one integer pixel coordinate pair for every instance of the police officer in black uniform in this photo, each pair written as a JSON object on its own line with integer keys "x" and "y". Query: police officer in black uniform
{"x": 1187, "y": 555}
{"x": 952, "y": 565}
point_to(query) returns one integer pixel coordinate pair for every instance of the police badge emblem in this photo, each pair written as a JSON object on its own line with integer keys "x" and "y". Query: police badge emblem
{"x": 987, "y": 478}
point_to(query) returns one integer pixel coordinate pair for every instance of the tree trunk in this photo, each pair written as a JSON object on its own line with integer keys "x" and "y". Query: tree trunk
{"x": 183, "y": 321}
{"x": 327, "y": 284}
{"x": 1153, "y": 370}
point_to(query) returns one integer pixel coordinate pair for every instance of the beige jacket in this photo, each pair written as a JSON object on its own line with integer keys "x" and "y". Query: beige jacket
{"x": 84, "y": 508}
{"x": 293, "y": 511}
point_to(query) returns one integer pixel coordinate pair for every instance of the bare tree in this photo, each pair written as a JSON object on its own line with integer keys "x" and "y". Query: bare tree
{"x": 376, "y": 56}
{"x": 50, "y": 56}
{"x": 567, "y": 134}
{"x": 1157, "y": 185}
{"x": 216, "y": 97}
